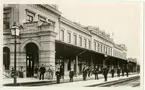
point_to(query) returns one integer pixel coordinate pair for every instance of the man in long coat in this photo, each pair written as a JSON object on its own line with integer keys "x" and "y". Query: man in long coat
{"x": 105, "y": 72}
{"x": 112, "y": 72}
{"x": 96, "y": 71}
{"x": 71, "y": 74}
{"x": 58, "y": 75}
{"x": 84, "y": 73}
{"x": 42, "y": 70}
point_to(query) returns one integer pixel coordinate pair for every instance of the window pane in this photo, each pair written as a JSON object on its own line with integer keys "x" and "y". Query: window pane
{"x": 80, "y": 41}
{"x": 6, "y": 19}
{"x": 69, "y": 37}
{"x": 85, "y": 42}
{"x": 89, "y": 44}
{"x": 75, "y": 39}
{"x": 95, "y": 46}
{"x": 29, "y": 16}
{"x": 62, "y": 35}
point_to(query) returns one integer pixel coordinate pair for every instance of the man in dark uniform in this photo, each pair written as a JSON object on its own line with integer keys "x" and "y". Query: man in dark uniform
{"x": 42, "y": 71}
{"x": 71, "y": 74}
{"x": 122, "y": 71}
{"x": 89, "y": 71}
{"x": 96, "y": 71}
{"x": 58, "y": 76}
{"x": 105, "y": 72}
{"x": 84, "y": 73}
{"x": 118, "y": 71}
{"x": 112, "y": 71}
{"x": 127, "y": 72}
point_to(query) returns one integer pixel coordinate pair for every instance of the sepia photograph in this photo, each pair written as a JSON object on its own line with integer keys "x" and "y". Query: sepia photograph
{"x": 72, "y": 45}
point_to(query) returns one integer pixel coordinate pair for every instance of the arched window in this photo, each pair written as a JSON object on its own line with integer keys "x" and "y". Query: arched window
{"x": 6, "y": 58}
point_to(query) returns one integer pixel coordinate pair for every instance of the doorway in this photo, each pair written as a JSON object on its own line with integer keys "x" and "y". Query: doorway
{"x": 6, "y": 58}
{"x": 32, "y": 58}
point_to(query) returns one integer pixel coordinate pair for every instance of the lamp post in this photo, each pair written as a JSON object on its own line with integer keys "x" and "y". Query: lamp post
{"x": 105, "y": 59}
{"x": 15, "y": 32}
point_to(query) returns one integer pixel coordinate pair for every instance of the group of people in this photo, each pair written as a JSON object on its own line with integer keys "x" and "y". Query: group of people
{"x": 87, "y": 71}
{"x": 42, "y": 71}
{"x": 60, "y": 74}
{"x": 105, "y": 70}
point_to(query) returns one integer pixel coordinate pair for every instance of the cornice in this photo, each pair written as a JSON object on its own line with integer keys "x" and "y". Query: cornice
{"x": 47, "y": 8}
{"x": 73, "y": 25}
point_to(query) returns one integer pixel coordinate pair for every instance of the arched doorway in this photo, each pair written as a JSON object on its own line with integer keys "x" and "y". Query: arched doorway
{"x": 32, "y": 58}
{"x": 6, "y": 58}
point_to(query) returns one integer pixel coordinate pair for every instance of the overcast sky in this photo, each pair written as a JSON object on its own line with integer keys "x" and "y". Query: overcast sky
{"x": 122, "y": 18}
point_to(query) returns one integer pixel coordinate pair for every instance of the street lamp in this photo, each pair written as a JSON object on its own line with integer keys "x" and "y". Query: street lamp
{"x": 105, "y": 59}
{"x": 15, "y": 32}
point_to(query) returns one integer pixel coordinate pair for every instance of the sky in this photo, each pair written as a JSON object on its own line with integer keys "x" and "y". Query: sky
{"x": 124, "y": 19}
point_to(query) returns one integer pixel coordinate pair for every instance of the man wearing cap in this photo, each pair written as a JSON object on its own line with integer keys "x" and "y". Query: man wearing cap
{"x": 58, "y": 76}
{"x": 71, "y": 74}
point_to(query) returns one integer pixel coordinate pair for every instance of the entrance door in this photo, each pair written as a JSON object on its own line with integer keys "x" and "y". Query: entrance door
{"x": 6, "y": 58}
{"x": 31, "y": 58}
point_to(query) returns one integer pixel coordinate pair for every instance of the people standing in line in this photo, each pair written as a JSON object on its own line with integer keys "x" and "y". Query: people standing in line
{"x": 62, "y": 72}
{"x": 112, "y": 71}
{"x": 96, "y": 71}
{"x": 58, "y": 76}
{"x": 71, "y": 75}
{"x": 42, "y": 71}
{"x": 36, "y": 72}
{"x": 84, "y": 73}
{"x": 118, "y": 71}
{"x": 122, "y": 71}
{"x": 105, "y": 72}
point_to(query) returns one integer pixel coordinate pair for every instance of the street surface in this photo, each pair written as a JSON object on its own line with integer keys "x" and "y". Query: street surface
{"x": 85, "y": 83}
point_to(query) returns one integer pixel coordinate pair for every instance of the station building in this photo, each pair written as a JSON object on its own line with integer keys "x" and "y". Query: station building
{"x": 48, "y": 38}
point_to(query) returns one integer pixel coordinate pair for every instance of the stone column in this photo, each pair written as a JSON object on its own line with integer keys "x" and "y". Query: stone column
{"x": 47, "y": 53}
{"x": 76, "y": 63}
{"x": 65, "y": 67}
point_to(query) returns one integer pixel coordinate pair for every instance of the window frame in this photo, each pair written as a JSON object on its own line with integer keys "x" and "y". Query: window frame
{"x": 6, "y": 18}
{"x": 30, "y": 14}
{"x": 95, "y": 45}
{"x": 62, "y": 35}
{"x": 85, "y": 42}
{"x": 69, "y": 36}
{"x": 89, "y": 43}
{"x": 80, "y": 40}
{"x": 75, "y": 39}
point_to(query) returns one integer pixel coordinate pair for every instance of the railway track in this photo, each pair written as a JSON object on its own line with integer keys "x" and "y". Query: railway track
{"x": 134, "y": 83}
{"x": 118, "y": 82}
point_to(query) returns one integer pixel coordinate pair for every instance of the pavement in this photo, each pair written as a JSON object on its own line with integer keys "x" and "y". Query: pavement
{"x": 78, "y": 79}
{"x": 89, "y": 82}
